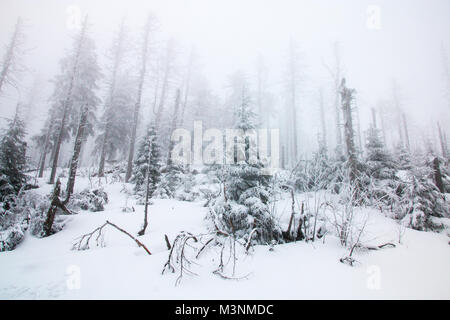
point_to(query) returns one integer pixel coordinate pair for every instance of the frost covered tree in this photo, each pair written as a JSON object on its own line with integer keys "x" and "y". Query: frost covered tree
{"x": 115, "y": 120}
{"x": 140, "y": 85}
{"x": 74, "y": 91}
{"x": 421, "y": 199}
{"x": 12, "y": 158}
{"x": 84, "y": 98}
{"x": 379, "y": 163}
{"x": 147, "y": 165}
{"x": 243, "y": 206}
{"x": 10, "y": 66}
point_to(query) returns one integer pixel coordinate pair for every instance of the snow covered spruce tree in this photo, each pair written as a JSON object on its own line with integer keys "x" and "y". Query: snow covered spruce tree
{"x": 147, "y": 169}
{"x": 147, "y": 165}
{"x": 242, "y": 208}
{"x": 380, "y": 180}
{"x": 12, "y": 160}
{"x": 421, "y": 199}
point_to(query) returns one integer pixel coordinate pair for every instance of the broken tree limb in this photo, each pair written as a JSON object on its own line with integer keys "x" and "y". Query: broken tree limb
{"x": 87, "y": 237}
{"x": 51, "y": 213}
{"x": 167, "y": 242}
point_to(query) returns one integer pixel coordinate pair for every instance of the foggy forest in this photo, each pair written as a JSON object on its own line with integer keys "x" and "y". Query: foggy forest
{"x": 202, "y": 149}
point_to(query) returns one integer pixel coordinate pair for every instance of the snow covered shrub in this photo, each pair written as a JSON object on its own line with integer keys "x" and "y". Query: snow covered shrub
{"x": 11, "y": 237}
{"x": 89, "y": 199}
{"x": 28, "y": 212}
{"x": 172, "y": 177}
{"x": 188, "y": 190}
{"x": 421, "y": 199}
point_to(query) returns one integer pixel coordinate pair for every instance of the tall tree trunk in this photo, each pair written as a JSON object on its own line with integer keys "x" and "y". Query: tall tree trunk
{"x": 173, "y": 125}
{"x": 165, "y": 84}
{"x": 405, "y": 128}
{"x": 442, "y": 141}
{"x": 147, "y": 195}
{"x": 187, "y": 86}
{"x": 66, "y": 103}
{"x": 293, "y": 87}
{"x": 45, "y": 150}
{"x": 137, "y": 106}
{"x": 374, "y": 118}
{"x": 347, "y": 97}
{"x": 322, "y": 119}
{"x": 117, "y": 59}
{"x": 10, "y": 56}
{"x": 438, "y": 175}
{"x": 76, "y": 152}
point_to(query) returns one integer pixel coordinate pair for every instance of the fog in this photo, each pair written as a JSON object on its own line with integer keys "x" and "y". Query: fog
{"x": 404, "y": 46}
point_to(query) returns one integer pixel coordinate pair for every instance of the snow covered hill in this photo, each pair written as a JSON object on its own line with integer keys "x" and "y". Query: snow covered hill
{"x": 47, "y": 268}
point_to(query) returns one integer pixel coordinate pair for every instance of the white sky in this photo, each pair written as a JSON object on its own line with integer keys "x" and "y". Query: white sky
{"x": 230, "y": 34}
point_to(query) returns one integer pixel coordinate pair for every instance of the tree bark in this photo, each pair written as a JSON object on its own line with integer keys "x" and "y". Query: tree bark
{"x": 76, "y": 152}
{"x": 66, "y": 104}
{"x": 137, "y": 106}
{"x": 118, "y": 53}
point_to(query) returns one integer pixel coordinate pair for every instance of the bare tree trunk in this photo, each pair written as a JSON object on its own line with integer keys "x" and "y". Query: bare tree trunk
{"x": 442, "y": 141}
{"x": 118, "y": 54}
{"x": 66, "y": 104}
{"x": 347, "y": 98}
{"x": 147, "y": 195}
{"x": 336, "y": 74}
{"x": 374, "y": 118}
{"x": 293, "y": 87}
{"x": 322, "y": 119}
{"x": 405, "y": 128}
{"x": 187, "y": 86}
{"x": 76, "y": 152}
{"x": 9, "y": 63}
{"x": 165, "y": 84}
{"x": 173, "y": 125}
{"x": 358, "y": 128}
{"x": 48, "y": 224}
{"x": 137, "y": 106}
{"x": 438, "y": 175}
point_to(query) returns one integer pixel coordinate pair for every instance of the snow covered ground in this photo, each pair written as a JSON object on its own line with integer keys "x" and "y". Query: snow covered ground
{"x": 48, "y": 269}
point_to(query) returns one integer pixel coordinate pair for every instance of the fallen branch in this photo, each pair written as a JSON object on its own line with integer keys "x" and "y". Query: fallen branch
{"x": 203, "y": 248}
{"x": 80, "y": 245}
{"x": 167, "y": 242}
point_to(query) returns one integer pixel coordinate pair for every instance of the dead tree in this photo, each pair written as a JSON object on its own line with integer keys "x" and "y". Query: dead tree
{"x": 76, "y": 152}
{"x": 173, "y": 126}
{"x": 55, "y": 204}
{"x": 187, "y": 85}
{"x": 83, "y": 242}
{"x": 67, "y": 101}
{"x": 117, "y": 59}
{"x": 165, "y": 82}
{"x": 147, "y": 195}
{"x": 442, "y": 141}
{"x": 336, "y": 74}
{"x": 10, "y": 65}
{"x": 137, "y": 106}
{"x": 405, "y": 129}
{"x": 438, "y": 175}
{"x": 347, "y": 96}
{"x": 322, "y": 119}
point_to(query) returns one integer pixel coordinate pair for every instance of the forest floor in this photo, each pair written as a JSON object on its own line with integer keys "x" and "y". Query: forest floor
{"x": 47, "y": 268}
